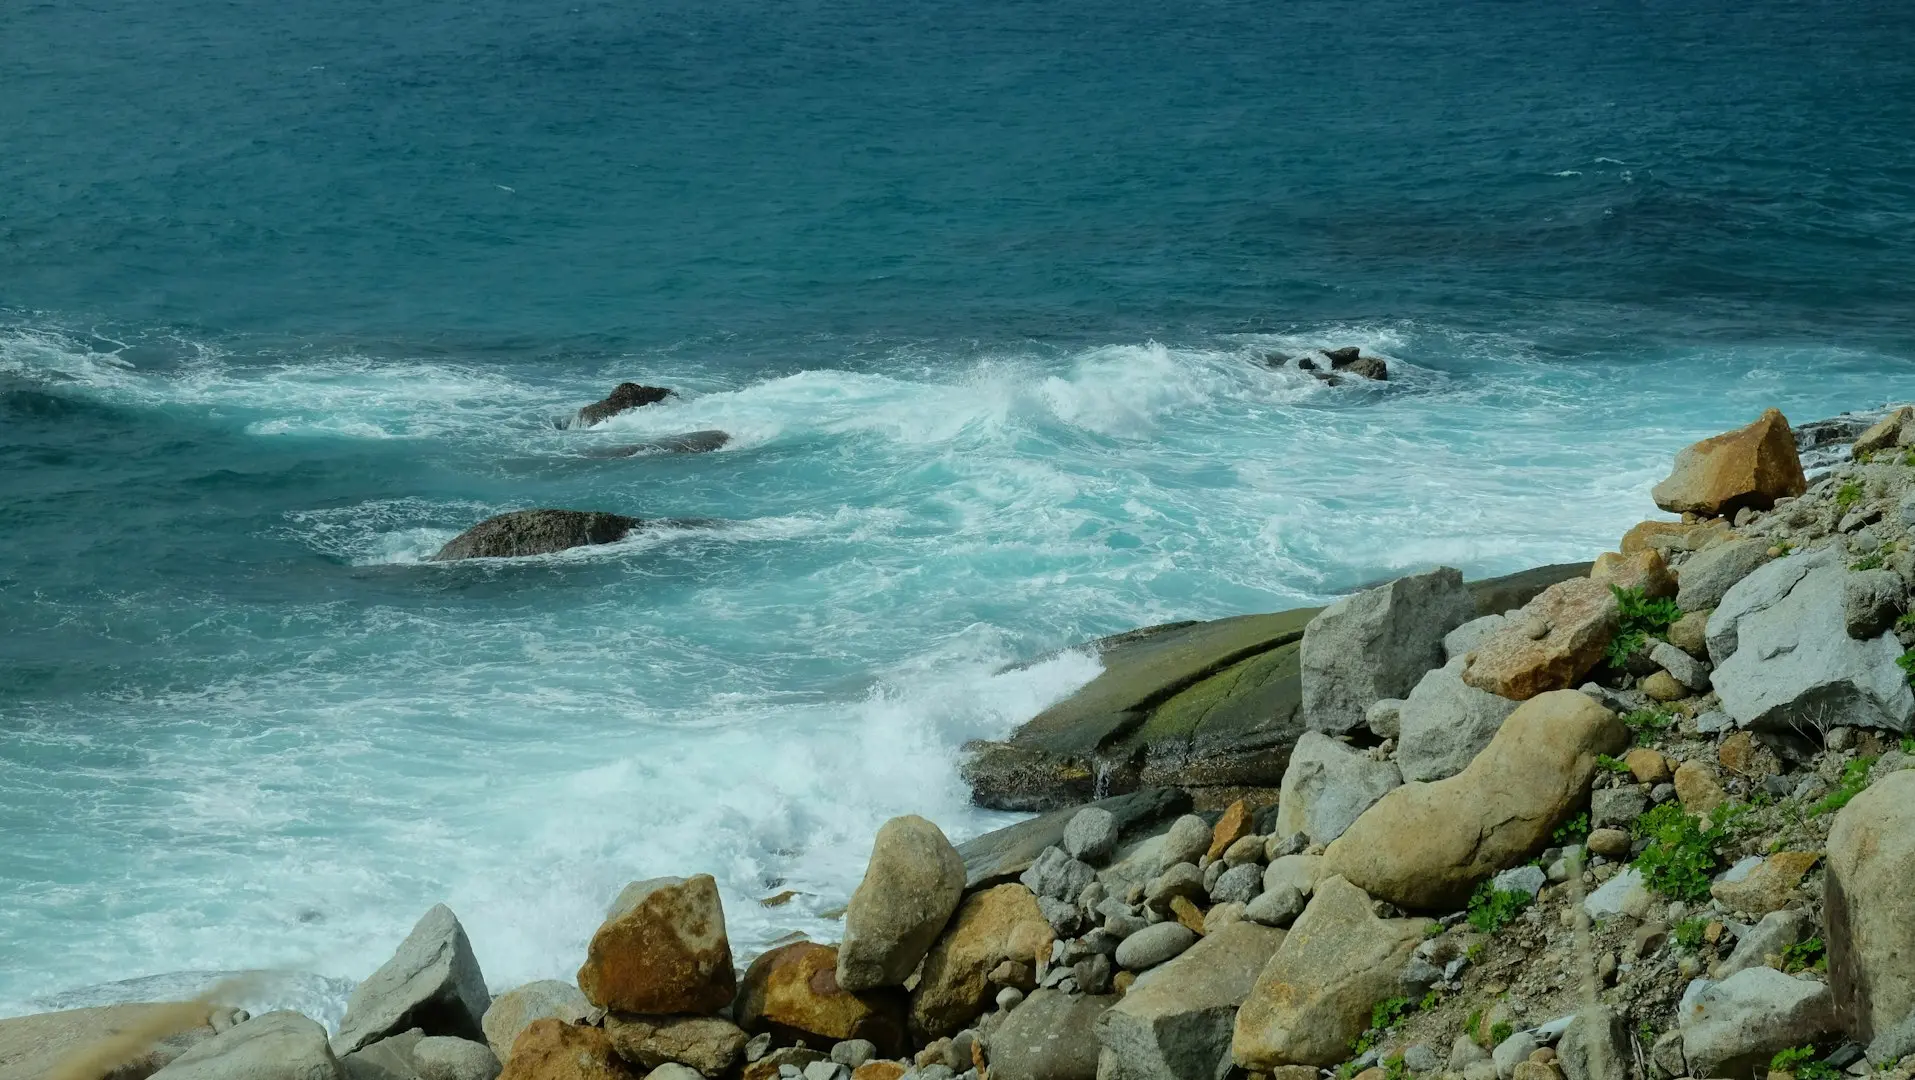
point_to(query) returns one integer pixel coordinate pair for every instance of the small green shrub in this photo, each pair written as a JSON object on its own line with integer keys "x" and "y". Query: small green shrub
{"x": 1810, "y": 954}
{"x": 1394, "y": 1069}
{"x": 1906, "y": 662}
{"x": 1614, "y": 765}
{"x": 1500, "y": 1031}
{"x": 1682, "y": 851}
{"x": 1872, "y": 561}
{"x": 1906, "y": 622}
{"x": 1648, "y": 724}
{"x": 1573, "y": 831}
{"x": 1908, "y": 745}
{"x": 1688, "y": 934}
{"x": 1472, "y": 1023}
{"x": 1848, "y": 495}
{"x": 1908, "y": 459}
{"x": 1854, "y": 780}
{"x": 1642, "y": 619}
{"x": 1802, "y": 1063}
{"x": 1384, "y": 1015}
{"x": 1475, "y": 953}
{"x": 1491, "y": 909}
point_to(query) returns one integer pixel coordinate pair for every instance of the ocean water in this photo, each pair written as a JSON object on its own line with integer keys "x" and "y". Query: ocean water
{"x": 289, "y": 296}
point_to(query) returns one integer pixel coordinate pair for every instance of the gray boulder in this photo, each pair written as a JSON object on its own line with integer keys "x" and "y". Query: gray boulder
{"x": 1154, "y": 945}
{"x": 1384, "y": 718}
{"x": 1458, "y": 642}
{"x": 536, "y": 532}
{"x": 1872, "y": 600}
{"x": 432, "y": 982}
{"x": 1048, "y": 1037}
{"x": 1682, "y": 667}
{"x": 441, "y": 1057}
{"x": 1327, "y": 785}
{"x": 1277, "y": 907}
{"x": 1239, "y": 885}
{"x": 1091, "y": 834}
{"x": 1777, "y": 931}
{"x": 1058, "y": 876}
{"x": 1766, "y": 587}
{"x": 1795, "y": 667}
{"x": 1375, "y": 644}
{"x": 276, "y": 1046}
{"x": 1736, "y": 1025}
{"x": 911, "y": 885}
{"x": 1446, "y": 722}
{"x": 1176, "y": 1021}
{"x": 1615, "y": 808}
{"x": 1606, "y": 1056}
{"x": 1709, "y": 574}
{"x": 513, "y": 1011}
{"x": 1188, "y": 838}
{"x": 1511, "y": 1052}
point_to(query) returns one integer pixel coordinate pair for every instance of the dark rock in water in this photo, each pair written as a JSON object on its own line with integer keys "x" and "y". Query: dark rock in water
{"x": 1369, "y": 367}
{"x": 1344, "y": 357}
{"x": 1304, "y": 363}
{"x": 1212, "y": 707}
{"x": 1326, "y": 377}
{"x": 1275, "y": 360}
{"x": 536, "y": 532}
{"x": 625, "y": 396}
{"x": 998, "y": 857}
{"x": 695, "y": 442}
{"x": 1836, "y": 430}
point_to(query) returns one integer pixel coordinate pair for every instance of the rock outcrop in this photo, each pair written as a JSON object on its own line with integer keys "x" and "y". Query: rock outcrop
{"x": 911, "y": 885}
{"x": 432, "y": 982}
{"x": 663, "y": 949}
{"x": 623, "y": 398}
{"x": 1871, "y": 907}
{"x": 1046, "y": 1038}
{"x": 276, "y": 1046}
{"x": 1750, "y": 467}
{"x": 1376, "y": 644}
{"x": 536, "y": 532}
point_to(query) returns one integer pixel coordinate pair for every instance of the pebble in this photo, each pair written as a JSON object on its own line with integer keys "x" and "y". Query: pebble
{"x": 1153, "y": 945}
{"x": 1009, "y": 998}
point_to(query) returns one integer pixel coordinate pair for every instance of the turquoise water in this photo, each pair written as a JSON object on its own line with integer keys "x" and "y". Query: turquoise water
{"x": 288, "y": 298}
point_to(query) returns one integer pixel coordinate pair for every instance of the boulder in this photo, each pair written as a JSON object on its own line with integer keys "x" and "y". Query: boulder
{"x": 662, "y": 949}
{"x": 1732, "y": 1028}
{"x": 1551, "y": 645}
{"x": 1596, "y": 1046}
{"x": 1299, "y": 872}
{"x": 536, "y": 532}
{"x": 1871, "y": 602}
{"x": 1884, "y": 434}
{"x": 554, "y": 1050}
{"x": 1690, "y": 673}
{"x": 1765, "y": 940}
{"x": 911, "y": 885}
{"x": 1645, "y": 570}
{"x": 990, "y": 927}
{"x": 1426, "y": 845}
{"x": 276, "y": 1046}
{"x": 1186, "y": 840}
{"x": 1048, "y": 1037}
{"x": 1275, "y": 907}
{"x": 1752, "y": 466}
{"x": 1058, "y": 876}
{"x": 387, "y": 1059}
{"x": 1238, "y": 884}
{"x": 119, "y": 1040}
{"x": 1316, "y": 992}
{"x": 1154, "y": 945}
{"x": 625, "y": 396}
{"x": 1459, "y": 642}
{"x": 1691, "y": 633}
{"x": 511, "y": 1011}
{"x": 1793, "y": 665}
{"x": 1709, "y": 574}
{"x": 1176, "y": 1021}
{"x": 708, "y": 1044}
{"x": 999, "y": 857}
{"x": 1445, "y": 723}
{"x": 441, "y": 1057}
{"x": 432, "y": 982}
{"x": 1869, "y": 907}
{"x": 1764, "y": 588}
{"x": 1768, "y": 887}
{"x": 1235, "y": 824}
{"x": 1697, "y": 788}
{"x": 1327, "y": 785}
{"x": 1092, "y": 834}
{"x": 1375, "y": 644}
{"x": 793, "y": 993}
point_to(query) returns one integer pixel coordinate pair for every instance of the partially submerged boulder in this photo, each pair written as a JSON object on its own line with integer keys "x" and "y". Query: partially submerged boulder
{"x": 1870, "y": 907}
{"x": 1425, "y": 846}
{"x": 276, "y": 1046}
{"x": 1749, "y": 467}
{"x": 1890, "y": 431}
{"x": 624, "y": 397}
{"x": 793, "y": 993}
{"x": 1376, "y": 644}
{"x": 663, "y": 949}
{"x": 432, "y": 982}
{"x": 536, "y": 532}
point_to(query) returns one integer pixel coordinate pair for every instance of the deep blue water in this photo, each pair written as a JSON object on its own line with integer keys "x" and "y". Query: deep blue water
{"x": 289, "y": 294}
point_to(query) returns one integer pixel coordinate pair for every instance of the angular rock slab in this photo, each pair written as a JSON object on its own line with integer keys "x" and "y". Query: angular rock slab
{"x": 1869, "y": 897}
{"x": 990, "y": 927}
{"x": 1177, "y": 1020}
{"x": 1709, "y": 575}
{"x": 432, "y": 982}
{"x": 1376, "y": 644}
{"x": 1316, "y": 992}
{"x": 1550, "y": 645}
{"x": 662, "y": 950}
{"x": 910, "y": 888}
{"x": 1445, "y": 723}
{"x": 793, "y": 992}
{"x": 276, "y": 1046}
{"x": 1425, "y": 846}
{"x": 1328, "y": 785}
{"x": 1733, "y": 1027}
{"x": 1048, "y": 1037}
{"x": 1749, "y": 467}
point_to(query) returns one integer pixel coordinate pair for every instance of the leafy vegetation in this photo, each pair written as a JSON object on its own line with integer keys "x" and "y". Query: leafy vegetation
{"x": 1906, "y": 662}
{"x": 1614, "y": 765}
{"x": 1384, "y": 1015}
{"x": 1848, "y": 495}
{"x": 1573, "y": 831}
{"x": 1803, "y": 1064}
{"x": 1501, "y": 1031}
{"x": 1871, "y": 561}
{"x": 1809, "y": 954}
{"x": 1642, "y": 619}
{"x": 1491, "y": 909}
{"x": 1648, "y": 724}
{"x": 1688, "y": 934}
{"x": 1854, "y": 780}
{"x": 1682, "y": 851}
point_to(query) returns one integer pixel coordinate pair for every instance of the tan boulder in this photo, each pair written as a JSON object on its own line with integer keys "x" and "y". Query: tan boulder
{"x": 1691, "y": 632}
{"x": 1425, "y": 846}
{"x": 1645, "y": 570}
{"x": 554, "y": 1050}
{"x": 1316, "y": 993}
{"x": 1751, "y": 466}
{"x": 1550, "y": 645}
{"x": 1697, "y": 788}
{"x": 115, "y": 1040}
{"x": 1647, "y": 766}
{"x": 879, "y": 1070}
{"x": 511, "y": 1012}
{"x": 1884, "y": 434}
{"x": 1870, "y": 909}
{"x": 663, "y": 950}
{"x": 990, "y": 927}
{"x": 1662, "y": 686}
{"x": 1234, "y": 825}
{"x": 706, "y": 1043}
{"x": 911, "y": 886}
{"x": 1769, "y": 887}
{"x": 793, "y": 992}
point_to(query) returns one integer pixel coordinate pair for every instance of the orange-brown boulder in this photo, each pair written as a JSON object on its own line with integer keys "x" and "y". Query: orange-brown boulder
{"x": 1645, "y": 570}
{"x": 1234, "y": 825}
{"x": 662, "y": 950}
{"x": 1751, "y": 466}
{"x": 555, "y": 1050}
{"x": 990, "y": 927}
{"x": 1549, "y": 645}
{"x": 793, "y": 992}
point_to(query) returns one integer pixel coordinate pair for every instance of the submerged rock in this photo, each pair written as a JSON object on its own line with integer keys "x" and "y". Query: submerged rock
{"x": 536, "y": 532}
{"x": 692, "y": 442}
{"x": 623, "y": 398}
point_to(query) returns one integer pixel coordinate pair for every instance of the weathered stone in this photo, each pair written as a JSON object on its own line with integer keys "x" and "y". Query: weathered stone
{"x": 990, "y": 927}
{"x": 1736, "y": 1025}
{"x": 1691, "y": 633}
{"x": 910, "y": 888}
{"x": 1316, "y": 992}
{"x": 999, "y": 857}
{"x": 1870, "y": 909}
{"x": 442, "y": 1057}
{"x": 553, "y": 1050}
{"x": 1527, "y": 880}
{"x": 1182, "y": 880}
{"x": 625, "y": 396}
{"x": 1752, "y": 466}
{"x": 1693, "y": 674}
{"x": 1511, "y": 1052}
{"x": 1609, "y": 843}
{"x": 510, "y": 1012}
{"x": 879, "y": 1070}
{"x": 1247, "y": 849}
{"x": 1425, "y": 846}
{"x": 1644, "y": 570}
{"x": 536, "y": 532}
{"x": 1698, "y": 789}
{"x": 1222, "y": 915}
{"x": 1884, "y": 434}
{"x": 784, "y": 1061}
{"x": 1460, "y": 641}
{"x": 1186, "y": 911}
{"x": 1709, "y": 574}
{"x": 793, "y": 992}
{"x": 1176, "y": 1022}
{"x": 1596, "y": 1046}
{"x": 432, "y": 982}
{"x": 1617, "y": 807}
{"x": 1299, "y": 872}
{"x": 1276, "y": 907}
{"x": 662, "y": 950}
{"x": 276, "y": 1046}
{"x": 706, "y": 1043}
{"x": 1445, "y": 723}
{"x": 1187, "y": 840}
{"x": 1384, "y": 718}
{"x": 1871, "y": 602}
{"x": 1662, "y": 686}
{"x": 1648, "y": 766}
{"x": 1376, "y": 644}
{"x": 1239, "y": 884}
{"x": 1154, "y": 944}
{"x": 1234, "y": 825}
{"x": 1058, "y": 876}
{"x": 120, "y": 1040}
{"x": 1328, "y": 785}
{"x": 1762, "y": 590}
{"x": 1550, "y": 645}
{"x": 1091, "y": 835}
{"x": 1048, "y": 1037}
{"x": 1765, "y": 940}
{"x": 1769, "y": 887}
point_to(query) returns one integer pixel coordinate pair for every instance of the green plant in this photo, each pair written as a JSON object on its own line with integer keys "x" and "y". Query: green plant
{"x": 1906, "y": 622}
{"x": 1384, "y": 1015}
{"x": 1809, "y": 954}
{"x": 1614, "y": 765}
{"x": 1477, "y": 950}
{"x": 1906, "y": 662}
{"x": 1871, "y": 561}
{"x": 1394, "y": 1069}
{"x": 1848, "y": 495}
{"x": 1854, "y": 779}
{"x": 1434, "y": 929}
{"x": 1500, "y": 1031}
{"x": 1682, "y": 851}
{"x": 1908, "y": 745}
{"x": 1802, "y": 1063}
{"x": 1491, "y": 909}
{"x": 1688, "y": 934}
{"x": 1473, "y": 1023}
{"x": 1908, "y": 459}
{"x": 1430, "y": 1000}
{"x": 1648, "y": 724}
{"x": 1573, "y": 831}
{"x": 1642, "y": 619}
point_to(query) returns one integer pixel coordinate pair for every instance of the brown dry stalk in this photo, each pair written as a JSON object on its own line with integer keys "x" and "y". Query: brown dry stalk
{"x": 103, "y": 1059}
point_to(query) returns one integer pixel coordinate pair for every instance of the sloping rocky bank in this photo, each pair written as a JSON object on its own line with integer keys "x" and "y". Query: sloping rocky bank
{"x": 1649, "y": 818}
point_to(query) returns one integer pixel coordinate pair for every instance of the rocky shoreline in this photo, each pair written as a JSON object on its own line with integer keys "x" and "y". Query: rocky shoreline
{"x": 1649, "y": 817}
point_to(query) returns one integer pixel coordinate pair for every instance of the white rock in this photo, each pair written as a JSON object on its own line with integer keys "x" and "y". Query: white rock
{"x": 1375, "y": 644}
{"x": 1746, "y": 1018}
{"x": 1446, "y": 722}
{"x": 1327, "y": 785}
